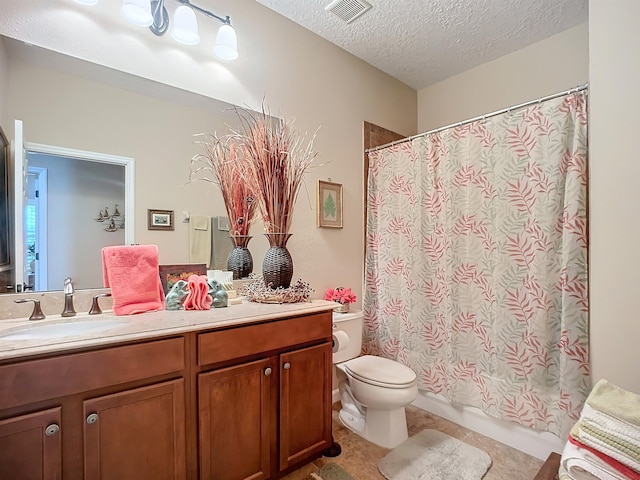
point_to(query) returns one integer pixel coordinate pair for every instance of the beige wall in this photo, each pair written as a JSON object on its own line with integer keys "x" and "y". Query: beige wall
{"x": 614, "y": 76}
{"x": 558, "y": 63}
{"x": 297, "y": 73}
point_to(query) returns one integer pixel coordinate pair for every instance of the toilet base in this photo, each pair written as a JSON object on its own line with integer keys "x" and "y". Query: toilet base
{"x": 353, "y": 422}
{"x": 386, "y": 428}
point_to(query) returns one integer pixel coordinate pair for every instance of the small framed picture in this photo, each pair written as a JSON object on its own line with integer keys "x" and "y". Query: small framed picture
{"x": 170, "y": 274}
{"x": 329, "y": 204}
{"x": 160, "y": 220}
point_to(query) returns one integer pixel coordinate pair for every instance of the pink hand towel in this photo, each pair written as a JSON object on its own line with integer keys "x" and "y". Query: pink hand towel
{"x": 133, "y": 276}
{"x": 198, "y": 297}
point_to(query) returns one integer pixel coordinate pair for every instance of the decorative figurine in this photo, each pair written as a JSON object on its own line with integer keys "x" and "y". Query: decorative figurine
{"x": 176, "y": 296}
{"x": 218, "y": 293}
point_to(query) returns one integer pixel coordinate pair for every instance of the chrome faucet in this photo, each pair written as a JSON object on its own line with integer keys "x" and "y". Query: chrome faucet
{"x": 37, "y": 311}
{"x": 68, "y": 311}
{"x": 95, "y": 305}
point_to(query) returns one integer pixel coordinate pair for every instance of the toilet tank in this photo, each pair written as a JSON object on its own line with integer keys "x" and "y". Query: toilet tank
{"x": 351, "y": 325}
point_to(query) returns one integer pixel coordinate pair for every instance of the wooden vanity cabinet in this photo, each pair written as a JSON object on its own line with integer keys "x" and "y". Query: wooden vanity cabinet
{"x": 31, "y": 447}
{"x": 305, "y": 404}
{"x": 95, "y": 415}
{"x": 247, "y": 401}
{"x": 135, "y": 434}
{"x": 236, "y": 417}
{"x": 270, "y": 410}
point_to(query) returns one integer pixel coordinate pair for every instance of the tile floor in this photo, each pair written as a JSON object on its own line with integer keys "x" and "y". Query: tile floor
{"x": 360, "y": 457}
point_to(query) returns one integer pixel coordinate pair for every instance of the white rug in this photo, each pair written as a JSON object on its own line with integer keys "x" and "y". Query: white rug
{"x": 433, "y": 455}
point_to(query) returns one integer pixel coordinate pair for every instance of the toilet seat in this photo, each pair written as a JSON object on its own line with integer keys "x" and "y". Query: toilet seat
{"x": 380, "y": 372}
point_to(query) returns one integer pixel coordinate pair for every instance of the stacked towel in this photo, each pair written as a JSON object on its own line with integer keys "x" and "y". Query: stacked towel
{"x": 133, "y": 276}
{"x": 605, "y": 442}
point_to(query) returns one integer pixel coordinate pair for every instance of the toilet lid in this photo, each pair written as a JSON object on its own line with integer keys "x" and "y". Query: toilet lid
{"x": 380, "y": 371}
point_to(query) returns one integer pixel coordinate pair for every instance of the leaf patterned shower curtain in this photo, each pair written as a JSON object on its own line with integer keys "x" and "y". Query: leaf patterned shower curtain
{"x": 476, "y": 265}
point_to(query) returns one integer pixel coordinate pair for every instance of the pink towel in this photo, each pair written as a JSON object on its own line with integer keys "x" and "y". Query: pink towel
{"x": 132, "y": 274}
{"x": 198, "y": 297}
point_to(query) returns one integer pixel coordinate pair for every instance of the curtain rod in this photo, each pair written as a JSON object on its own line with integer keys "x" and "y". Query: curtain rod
{"x": 482, "y": 117}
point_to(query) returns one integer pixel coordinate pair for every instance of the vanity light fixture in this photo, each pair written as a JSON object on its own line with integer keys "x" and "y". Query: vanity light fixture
{"x": 153, "y": 14}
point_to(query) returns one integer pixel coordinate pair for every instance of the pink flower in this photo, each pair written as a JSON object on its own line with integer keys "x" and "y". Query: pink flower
{"x": 340, "y": 295}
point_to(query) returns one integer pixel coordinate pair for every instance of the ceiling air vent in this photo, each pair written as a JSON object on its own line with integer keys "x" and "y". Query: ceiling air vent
{"x": 348, "y": 10}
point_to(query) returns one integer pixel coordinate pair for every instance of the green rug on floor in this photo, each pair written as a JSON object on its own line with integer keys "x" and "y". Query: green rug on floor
{"x": 433, "y": 455}
{"x": 330, "y": 471}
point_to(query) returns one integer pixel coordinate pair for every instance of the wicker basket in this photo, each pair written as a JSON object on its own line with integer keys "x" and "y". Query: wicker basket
{"x": 277, "y": 266}
{"x": 240, "y": 261}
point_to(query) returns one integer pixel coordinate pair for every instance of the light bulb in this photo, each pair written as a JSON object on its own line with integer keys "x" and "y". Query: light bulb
{"x": 137, "y": 12}
{"x": 226, "y": 43}
{"x": 185, "y": 26}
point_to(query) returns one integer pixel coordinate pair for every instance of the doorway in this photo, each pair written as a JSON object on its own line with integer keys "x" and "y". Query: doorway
{"x": 36, "y": 229}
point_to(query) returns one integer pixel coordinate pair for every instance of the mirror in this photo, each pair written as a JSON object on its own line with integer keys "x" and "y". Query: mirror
{"x": 5, "y": 214}
{"x": 66, "y": 187}
{"x": 70, "y": 105}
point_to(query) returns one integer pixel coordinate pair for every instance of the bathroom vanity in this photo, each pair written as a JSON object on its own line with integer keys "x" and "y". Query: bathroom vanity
{"x": 227, "y": 394}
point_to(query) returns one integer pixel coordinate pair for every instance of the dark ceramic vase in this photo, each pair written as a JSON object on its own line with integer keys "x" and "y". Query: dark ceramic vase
{"x": 277, "y": 267}
{"x": 240, "y": 261}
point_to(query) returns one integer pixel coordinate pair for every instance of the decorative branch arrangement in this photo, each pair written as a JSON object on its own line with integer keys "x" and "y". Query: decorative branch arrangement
{"x": 260, "y": 165}
{"x": 279, "y": 160}
{"x": 226, "y": 169}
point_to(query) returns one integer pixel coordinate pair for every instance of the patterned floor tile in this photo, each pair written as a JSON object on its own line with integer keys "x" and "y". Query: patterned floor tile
{"x": 360, "y": 457}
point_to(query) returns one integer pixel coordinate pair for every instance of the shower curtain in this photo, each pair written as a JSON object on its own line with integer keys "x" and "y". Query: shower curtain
{"x": 476, "y": 264}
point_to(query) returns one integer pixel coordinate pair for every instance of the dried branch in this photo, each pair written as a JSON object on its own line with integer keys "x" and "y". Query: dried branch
{"x": 279, "y": 158}
{"x": 221, "y": 165}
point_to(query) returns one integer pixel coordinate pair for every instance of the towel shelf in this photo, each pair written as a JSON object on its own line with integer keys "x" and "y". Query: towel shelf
{"x": 549, "y": 470}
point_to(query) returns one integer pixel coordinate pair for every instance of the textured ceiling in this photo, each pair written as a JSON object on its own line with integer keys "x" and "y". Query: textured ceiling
{"x": 421, "y": 42}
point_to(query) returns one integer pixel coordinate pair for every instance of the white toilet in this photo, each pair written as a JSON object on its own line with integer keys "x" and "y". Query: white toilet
{"x": 373, "y": 390}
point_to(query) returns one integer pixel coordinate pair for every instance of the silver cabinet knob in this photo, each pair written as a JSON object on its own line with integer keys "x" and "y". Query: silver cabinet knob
{"x": 92, "y": 418}
{"x": 286, "y": 366}
{"x": 267, "y": 371}
{"x": 52, "y": 429}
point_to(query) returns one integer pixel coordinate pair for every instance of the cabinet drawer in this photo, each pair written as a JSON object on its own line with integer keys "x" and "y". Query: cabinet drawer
{"x": 224, "y": 345}
{"x": 38, "y": 380}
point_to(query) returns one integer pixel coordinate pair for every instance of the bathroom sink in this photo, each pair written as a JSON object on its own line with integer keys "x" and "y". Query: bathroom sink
{"x": 63, "y": 329}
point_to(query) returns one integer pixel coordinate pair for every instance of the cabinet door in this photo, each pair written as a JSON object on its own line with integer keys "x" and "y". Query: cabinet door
{"x": 305, "y": 403}
{"x": 136, "y": 434}
{"x": 30, "y": 446}
{"x": 235, "y": 415}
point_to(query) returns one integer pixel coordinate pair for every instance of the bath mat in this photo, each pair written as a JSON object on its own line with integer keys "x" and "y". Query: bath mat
{"x": 433, "y": 455}
{"x": 330, "y": 471}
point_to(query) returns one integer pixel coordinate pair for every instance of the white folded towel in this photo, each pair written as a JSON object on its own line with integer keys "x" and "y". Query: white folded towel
{"x": 581, "y": 464}
{"x": 613, "y": 426}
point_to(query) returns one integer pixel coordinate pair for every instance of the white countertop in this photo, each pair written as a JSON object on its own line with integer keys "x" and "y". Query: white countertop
{"x": 146, "y": 326}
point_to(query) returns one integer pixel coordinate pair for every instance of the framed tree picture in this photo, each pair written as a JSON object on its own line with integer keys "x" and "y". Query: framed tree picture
{"x": 329, "y": 204}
